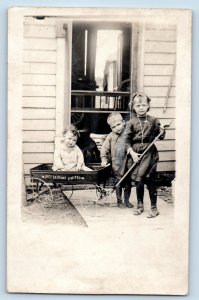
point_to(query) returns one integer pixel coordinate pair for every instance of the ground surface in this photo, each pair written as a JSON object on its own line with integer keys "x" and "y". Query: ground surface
{"x": 81, "y": 248}
{"x": 82, "y": 208}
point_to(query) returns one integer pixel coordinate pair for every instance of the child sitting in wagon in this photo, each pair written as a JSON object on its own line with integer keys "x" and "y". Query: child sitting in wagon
{"x": 113, "y": 149}
{"x": 141, "y": 130}
{"x": 69, "y": 157}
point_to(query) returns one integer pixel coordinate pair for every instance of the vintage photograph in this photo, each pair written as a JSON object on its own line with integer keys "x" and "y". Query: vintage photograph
{"x": 98, "y": 150}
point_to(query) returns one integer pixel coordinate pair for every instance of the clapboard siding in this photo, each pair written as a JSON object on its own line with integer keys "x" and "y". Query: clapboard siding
{"x": 160, "y": 35}
{"x": 159, "y": 58}
{"x": 38, "y": 158}
{"x": 39, "y": 125}
{"x": 38, "y": 56}
{"x": 159, "y": 26}
{"x": 39, "y": 44}
{"x": 38, "y": 147}
{"x": 39, "y": 114}
{"x": 165, "y": 145}
{"x": 167, "y": 155}
{"x": 39, "y": 102}
{"x": 160, "y": 101}
{"x": 39, "y": 79}
{"x": 159, "y": 54}
{"x": 158, "y": 81}
{"x": 166, "y": 166}
{"x": 156, "y": 91}
{"x": 39, "y": 68}
{"x": 39, "y": 90}
{"x": 157, "y": 47}
{"x": 39, "y": 31}
{"x": 158, "y": 112}
{"x": 158, "y": 70}
{"x": 38, "y": 136}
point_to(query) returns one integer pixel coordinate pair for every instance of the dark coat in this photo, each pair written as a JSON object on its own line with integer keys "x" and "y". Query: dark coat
{"x": 139, "y": 134}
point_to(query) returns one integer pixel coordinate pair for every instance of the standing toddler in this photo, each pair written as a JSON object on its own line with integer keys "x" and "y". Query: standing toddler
{"x": 113, "y": 150}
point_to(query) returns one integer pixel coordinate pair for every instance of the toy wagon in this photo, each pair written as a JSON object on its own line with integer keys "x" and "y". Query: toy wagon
{"x": 49, "y": 187}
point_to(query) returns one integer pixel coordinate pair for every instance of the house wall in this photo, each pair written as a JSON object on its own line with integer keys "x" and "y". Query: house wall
{"x": 157, "y": 55}
{"x": 157, "y": 58}
{"x": 39, "y": 91}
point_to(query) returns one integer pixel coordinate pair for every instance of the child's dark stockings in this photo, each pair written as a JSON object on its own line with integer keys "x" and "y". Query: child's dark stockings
{"x": 152, "y": 193}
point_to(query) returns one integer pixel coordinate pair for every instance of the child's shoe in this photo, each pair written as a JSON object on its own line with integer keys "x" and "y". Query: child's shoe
{"x": 121, "y": 205}
{"x": 153, "y": 213}
{"x": 139, "y": 210}
{"x": 129, "y": 205}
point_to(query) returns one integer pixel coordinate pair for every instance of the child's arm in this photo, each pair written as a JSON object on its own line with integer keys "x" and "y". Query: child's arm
{"x": 58, "y": 164}
{"x": 128, "y": 142}
{"x": 135, "y": 156}
{"x": 80, "y": 159}
{"x": 105, "y": 151}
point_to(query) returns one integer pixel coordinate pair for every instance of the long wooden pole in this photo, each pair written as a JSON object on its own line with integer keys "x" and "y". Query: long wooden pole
{"x": 140, "y": 158}
{"x": 170, "y": 86}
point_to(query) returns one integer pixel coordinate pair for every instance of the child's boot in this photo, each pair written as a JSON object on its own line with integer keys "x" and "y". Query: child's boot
{"x": 140, "y": 209}
{"x": 153, "y": 213}
{"x": 140, "y": 197}
{"x": 129, "y": 205}
{"x": 127, "y": 193}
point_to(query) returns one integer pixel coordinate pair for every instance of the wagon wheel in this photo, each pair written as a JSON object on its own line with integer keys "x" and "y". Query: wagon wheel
{"x": 76, "y": 117}
{"x": 104, "y": 197}
{"x": 68, "y": 190}
{"x": 38, "y": 195}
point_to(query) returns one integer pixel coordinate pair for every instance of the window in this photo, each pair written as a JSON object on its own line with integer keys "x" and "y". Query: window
{"x": 101, "y": 60}
{"x": 100, "y": 64}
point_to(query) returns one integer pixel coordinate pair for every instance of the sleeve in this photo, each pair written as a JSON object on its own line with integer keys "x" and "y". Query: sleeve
{"x": 80, "y": 157}
{"x": 158, "y": 130}
{"x": 128, "y": 136}
{"x": 58, "y": 164}
{"x": 106, "y": 150}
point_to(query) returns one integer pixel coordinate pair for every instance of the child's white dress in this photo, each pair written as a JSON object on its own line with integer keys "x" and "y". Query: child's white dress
{"x": 67, "y": 159}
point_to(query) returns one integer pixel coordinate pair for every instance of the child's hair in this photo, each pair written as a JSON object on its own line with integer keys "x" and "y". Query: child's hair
{"x": 114, "y": 116}
{"x": 72, "y": 129}
{"x": 139, "y": 95}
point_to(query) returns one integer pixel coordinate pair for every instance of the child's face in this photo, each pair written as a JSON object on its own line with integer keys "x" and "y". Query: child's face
{"x": 70, "y": 139}
{"x": 140, "y": 106}
{"x": 117, "y": 126}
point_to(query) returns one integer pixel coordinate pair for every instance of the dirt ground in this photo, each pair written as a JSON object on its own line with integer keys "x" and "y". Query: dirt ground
{"x": 79, "y": 246}
{"x": 84, "y": 208}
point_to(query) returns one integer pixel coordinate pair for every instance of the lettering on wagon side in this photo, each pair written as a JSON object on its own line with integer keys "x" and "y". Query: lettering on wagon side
{"x": 76, "y": 177}
{"x": 46, "y": 176}
{"x": 62, "y": 177}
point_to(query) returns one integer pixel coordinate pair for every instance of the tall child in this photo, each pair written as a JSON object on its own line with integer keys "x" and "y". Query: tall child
{"x": 113, "y": 149}
{"x": 141, "y": 130}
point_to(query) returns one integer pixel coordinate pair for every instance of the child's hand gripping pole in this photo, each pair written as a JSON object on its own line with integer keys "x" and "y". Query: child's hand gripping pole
{"x": 141, "y": 156}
